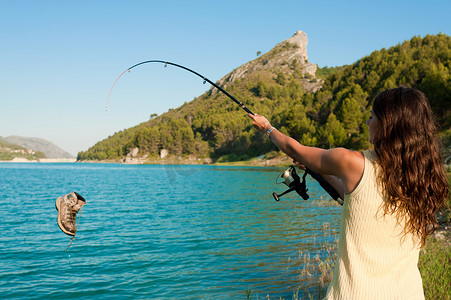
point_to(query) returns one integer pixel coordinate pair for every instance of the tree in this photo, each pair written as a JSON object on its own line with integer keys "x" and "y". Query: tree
{"x": 437, "y": 86}
{"x": 299, "y": 126}
{"x": 332, "y": 133}
{"x": 350, "y": 115}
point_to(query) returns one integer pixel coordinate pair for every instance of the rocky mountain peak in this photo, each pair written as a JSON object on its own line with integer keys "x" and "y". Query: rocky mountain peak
{"x": 300, "y": 39}
{"x": 287, "y": 57}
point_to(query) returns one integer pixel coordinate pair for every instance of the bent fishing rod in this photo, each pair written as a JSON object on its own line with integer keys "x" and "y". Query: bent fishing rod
{"x": 294, "y": 180}
{"x": 240, "y": 104}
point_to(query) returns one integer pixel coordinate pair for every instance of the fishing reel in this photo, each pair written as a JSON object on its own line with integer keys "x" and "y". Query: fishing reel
{"x": 293, "y": 181}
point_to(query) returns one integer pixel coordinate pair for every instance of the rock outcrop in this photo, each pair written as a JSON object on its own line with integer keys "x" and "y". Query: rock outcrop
{"x": 287, "y": 57}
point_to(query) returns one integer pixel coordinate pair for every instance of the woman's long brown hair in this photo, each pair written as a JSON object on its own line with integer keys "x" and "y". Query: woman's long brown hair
{"x": 408, "y": 152}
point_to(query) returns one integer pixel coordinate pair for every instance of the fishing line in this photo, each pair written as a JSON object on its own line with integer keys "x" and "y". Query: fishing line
{"x": 240, "y": 104}
{"x": 106, "y": 107}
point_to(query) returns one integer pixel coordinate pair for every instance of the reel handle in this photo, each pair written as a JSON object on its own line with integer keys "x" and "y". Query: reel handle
{"x": 276, "y": 197}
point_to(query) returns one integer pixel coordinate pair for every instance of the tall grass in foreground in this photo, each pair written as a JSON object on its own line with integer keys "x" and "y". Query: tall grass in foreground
{"x": 316, "y": 269}
{"x": 435, "y": 258}
{"x": 435, "y": 269}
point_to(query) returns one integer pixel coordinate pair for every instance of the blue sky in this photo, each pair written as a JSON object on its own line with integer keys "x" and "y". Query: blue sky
{"x": 59, "y": 59}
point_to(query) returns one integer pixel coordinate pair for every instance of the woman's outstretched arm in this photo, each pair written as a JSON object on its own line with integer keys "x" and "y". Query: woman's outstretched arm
{"x": 345, "y": 164}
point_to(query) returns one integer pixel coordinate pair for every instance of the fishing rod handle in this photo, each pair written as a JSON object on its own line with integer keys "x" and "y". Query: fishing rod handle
{"x": 325, "y": 185}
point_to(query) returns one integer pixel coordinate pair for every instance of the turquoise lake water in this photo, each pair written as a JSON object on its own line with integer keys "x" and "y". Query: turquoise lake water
{"x": 157, "y": 232}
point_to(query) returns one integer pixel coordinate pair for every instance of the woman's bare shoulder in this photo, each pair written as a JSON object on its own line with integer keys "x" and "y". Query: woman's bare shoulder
{"x": 351, "y": 165}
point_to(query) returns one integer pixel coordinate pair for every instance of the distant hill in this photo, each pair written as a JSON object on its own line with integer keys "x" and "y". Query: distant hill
{"x": 10, "y": 152}
{"x": 319, "y": 107}
{"x": 39, "y": 145}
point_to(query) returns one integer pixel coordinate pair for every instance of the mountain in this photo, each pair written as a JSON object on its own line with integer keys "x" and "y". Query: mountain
{"x": 319, "y": 107}
{"x": 40, "y": 145}
{"x": 9, "y": 152}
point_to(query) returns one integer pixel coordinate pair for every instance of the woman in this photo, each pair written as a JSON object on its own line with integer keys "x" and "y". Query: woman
{"x": 391, "y": 196}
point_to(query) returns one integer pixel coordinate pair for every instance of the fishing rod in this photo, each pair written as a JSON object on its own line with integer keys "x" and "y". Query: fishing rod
{"x": 240, "y": 104}
{"x": 292, "y": 180}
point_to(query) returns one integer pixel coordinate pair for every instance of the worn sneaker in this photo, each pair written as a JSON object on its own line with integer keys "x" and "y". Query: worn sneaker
{"x": 68, "y": 207}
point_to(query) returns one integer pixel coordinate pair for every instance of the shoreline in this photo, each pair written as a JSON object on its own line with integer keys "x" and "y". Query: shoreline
{"x": 277, "y": 161}
{"x": 274, "y": 159}
{"x": 41, "y": 160}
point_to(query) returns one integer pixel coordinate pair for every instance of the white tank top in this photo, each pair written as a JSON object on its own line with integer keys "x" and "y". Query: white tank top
{"x": 374, "y": 260}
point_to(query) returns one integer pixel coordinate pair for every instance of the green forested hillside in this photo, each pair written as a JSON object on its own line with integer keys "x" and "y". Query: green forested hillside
{"x": 213, "y": 126}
